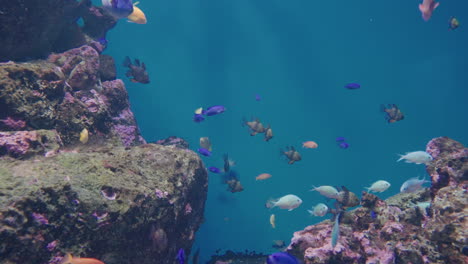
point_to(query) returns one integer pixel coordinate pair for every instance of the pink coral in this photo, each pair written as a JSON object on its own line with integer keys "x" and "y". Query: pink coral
{"x": 14, "y": 124}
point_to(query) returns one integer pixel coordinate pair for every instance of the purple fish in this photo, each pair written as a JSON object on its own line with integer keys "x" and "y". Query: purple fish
{"x": 352, "y": 86}
{"x": 343, "y": 145}
{"x": 214, "y": 110}
{"x": 204, "y": 152}
{"x": 118, "y": 8}
{"x": 198, "y": 118}
{"x": 257, "y": 97}
{"x": 214, "y": 170}
{"x": 281, "y": 258}
{"x": 373, "y": 214}
{"x": 340, "y": 139}
{"x": 181, "y": 256}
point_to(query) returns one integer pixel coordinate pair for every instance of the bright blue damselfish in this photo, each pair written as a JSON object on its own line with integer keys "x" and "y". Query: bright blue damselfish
{"x": 281, "y": 258}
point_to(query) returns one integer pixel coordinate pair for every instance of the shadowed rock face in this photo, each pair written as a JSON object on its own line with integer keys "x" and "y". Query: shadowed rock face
{"x": 119, "y": 205}
{"x": 405, "y": 228}
{"x": 32, "y": 29}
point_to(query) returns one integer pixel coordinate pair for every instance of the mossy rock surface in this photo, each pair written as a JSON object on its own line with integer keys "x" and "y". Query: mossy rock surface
{"x": 120, "y": 205}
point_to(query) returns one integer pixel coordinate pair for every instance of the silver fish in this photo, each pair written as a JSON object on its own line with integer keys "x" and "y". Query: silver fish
{"x": 336, "y": 231}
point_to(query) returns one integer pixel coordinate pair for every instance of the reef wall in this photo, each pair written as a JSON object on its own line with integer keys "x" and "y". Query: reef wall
{"x": 429, "y": 226}
{"x": 75, "y": 173}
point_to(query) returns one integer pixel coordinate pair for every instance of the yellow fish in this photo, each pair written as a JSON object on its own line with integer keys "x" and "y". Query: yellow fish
{"x": 84, "y": 136}
{"x": 272, "y": 220}
{"x": 137, "y": 16}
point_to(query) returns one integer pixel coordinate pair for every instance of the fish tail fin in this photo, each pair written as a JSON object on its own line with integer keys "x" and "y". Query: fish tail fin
{"x": 244, "y": 121}
{"x": 127, "y": 62}
{"x": 313, "y": 188}
{"x": 368, "y": 189}
{"x": 270, "y": 203}
{"x": 310, "y": 212}
{"x": 401, "y": 157}
{"x": 67, "y": 259}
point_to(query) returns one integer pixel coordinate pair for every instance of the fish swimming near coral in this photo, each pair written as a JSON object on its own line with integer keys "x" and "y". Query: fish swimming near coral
{"x": 379, "y": 186}
{"x": 214, "y": 170}
{"x": 118, "y": 8}
{"x": 289, "y": 202}
{"x": 137, "y": 16}
{"x": 272, "y": 221}
{"x": 320, "y": 209}
{"x": 205, "y": 143}
{"x": 84, "y": 136}
{"x": 281, "y": 258}
{"x": 137, "y": 71}
{"x": 417, "y": 157}
{"x": 412, "y": 185}
{"x": 214, "y": 110}
{"x": 181, "y": 256}
{"x": 347, "y": 198}
{"x": 204, "y": 152}
{"x": 291, "y": 154}
{"x": 427, "y": 7}
{"x": 336, "y": 231}
{"x": 327, "y": 191}
{"x": 69, "y": 259}
{"x": 393, "y": 113}
{"x": 255, "y": 126}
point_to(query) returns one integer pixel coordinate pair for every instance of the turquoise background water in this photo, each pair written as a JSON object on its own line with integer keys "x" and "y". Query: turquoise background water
{"x": 297, "y": 55}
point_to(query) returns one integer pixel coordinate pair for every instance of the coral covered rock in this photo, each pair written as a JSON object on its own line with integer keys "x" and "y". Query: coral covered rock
{"x": 66, "y": 94}
{"x": 428, "y": 226}
{"x": 119, "y": 205}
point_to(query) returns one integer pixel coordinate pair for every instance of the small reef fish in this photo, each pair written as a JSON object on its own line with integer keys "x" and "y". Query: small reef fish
{"x": 205, "y": 143}
{"x": 263, "y": 176}
{"x": 427, "y": 7}
{"x": 327, "y": 191}
{"x": 347, "y": 199}
{"x": 281, "y": 258}
{"x": 453, "y": 23}
{"x": 272, "y": 221}
{"x": 378, "y": 186}
{"x": 181, "y": 256}
{"x": 136, "y": 70}
{"x": 320, "y": 209}
{"x": 197, "y": 118}
{"x": 289, "y": 202}
{"x": 412, "y": 185}
{"x": 118, "y": 8}
{"x": 352, "y": 86}
{"x": 393, "y": 113}
{"x": 341, "y": 141}
{"x": 336, "y": 231}
{"x": 268, "y": 134}
{"x": 199, "y": 110}
{"x": 373, "y": 214}
{"x": 291, "y": 154}
{"x": 137, "y": 16}
{"x": 84, "y": 136}
{"x": 214, "y": 110}
{"x": 69, "y": 259}
{"x": 309, "y": 144}
{"x": 255, "y": 126}
{"x": 258, "y": 97}
{"x": 204, "y": 152}
{"x": 417, "y": 157}
{"x": 214, "y": 170}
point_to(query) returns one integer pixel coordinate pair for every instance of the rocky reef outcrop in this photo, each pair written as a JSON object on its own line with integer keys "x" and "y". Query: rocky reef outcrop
{"x": 32, "y": 29}
{"x": 121, "y": 205}
{"x": 429, "y": 226}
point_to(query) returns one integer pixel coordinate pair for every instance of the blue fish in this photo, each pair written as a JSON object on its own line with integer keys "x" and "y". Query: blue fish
{"x": 103, "y": 41}
{"x": 336, "y": 231}
{"x": 181, "y": 256}
{"x": 198, "y": 118}
{"x": 340, "y": 139}
{"x": 214, "y": 110}
{"x": 214, "y": 170}
{"x": 373, "y": 214}
{"x": 352, "y": 86}
{"x": 257, "y": 97}
{"x": 204, "y": 152}
{"x": 281, "y": 258}
{"x": 343, "y": 145}
{"x": 118, "y": 8}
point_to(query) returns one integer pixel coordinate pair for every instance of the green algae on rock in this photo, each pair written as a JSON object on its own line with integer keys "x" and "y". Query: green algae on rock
{"x": 118, "y": 204}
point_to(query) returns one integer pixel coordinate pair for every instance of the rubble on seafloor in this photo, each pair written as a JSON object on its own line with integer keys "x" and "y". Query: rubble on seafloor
{"x": 231, "y": 257}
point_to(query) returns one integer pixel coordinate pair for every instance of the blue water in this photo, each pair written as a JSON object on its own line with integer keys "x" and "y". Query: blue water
{"x": 297, "y": 55}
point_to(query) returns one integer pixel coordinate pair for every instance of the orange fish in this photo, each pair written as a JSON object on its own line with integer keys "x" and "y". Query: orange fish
{"x": 137, "y": 16}
{"x": 263, "y": 176}
{"x": 309, "y": 144}
{"x": 69, "y": 259}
